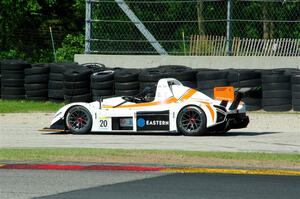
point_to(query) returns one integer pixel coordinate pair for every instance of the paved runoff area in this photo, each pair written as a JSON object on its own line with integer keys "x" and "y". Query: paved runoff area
{"x": 267, "y": 132}
{"x": 56, "y": 184}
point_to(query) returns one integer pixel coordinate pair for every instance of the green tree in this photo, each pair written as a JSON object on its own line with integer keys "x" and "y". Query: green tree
{"x": 72, "y": 44}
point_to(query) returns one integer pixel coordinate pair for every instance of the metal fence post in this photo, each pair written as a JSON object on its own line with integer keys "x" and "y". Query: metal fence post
{"x": 139, "y": 24}
{"x": 229, "y": 29}
{"x": 88, "y": 21}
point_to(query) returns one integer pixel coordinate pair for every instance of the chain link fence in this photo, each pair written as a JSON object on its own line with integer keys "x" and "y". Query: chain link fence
{"x": 193, "y": 27}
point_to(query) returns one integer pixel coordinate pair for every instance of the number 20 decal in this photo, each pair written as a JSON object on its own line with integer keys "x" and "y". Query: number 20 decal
{"x": 103, "y": 123}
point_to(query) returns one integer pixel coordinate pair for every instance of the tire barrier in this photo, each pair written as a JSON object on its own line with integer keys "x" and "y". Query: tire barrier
{"x": 77, "y": 84}
{"x": 208, "y": 79}
{"x": 12, "y": 80}
{"x": 36, "y": 82}
{"x": 295, "y": 83}
{"x": 247, "y": 78}
{"x": 56, "y": 80}
{"x": 102, "y": 84}
{"x": 71, "y": 82}
{"x": 185, "y": 75}
{"x": 276, "y": 90}
{"x": 95, "y": 67}
{"x": 149, "y": 77}
{"x": 127, "y": 82}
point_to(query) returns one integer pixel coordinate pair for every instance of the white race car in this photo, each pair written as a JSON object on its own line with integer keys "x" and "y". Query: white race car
{"x": 175, "y": 109}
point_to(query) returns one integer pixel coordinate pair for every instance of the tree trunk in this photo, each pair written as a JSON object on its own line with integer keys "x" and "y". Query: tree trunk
{"x": 268, "y": 27}
{"x": 200, "y": 7}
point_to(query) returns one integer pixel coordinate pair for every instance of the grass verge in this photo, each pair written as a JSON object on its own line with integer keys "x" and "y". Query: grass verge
{"x": 22, "y": 106}
{"x": 278, "y": 160}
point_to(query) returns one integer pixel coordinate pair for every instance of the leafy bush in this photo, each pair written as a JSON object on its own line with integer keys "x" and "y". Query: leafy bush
{"x": 72, "y": 44}
{"x": 12, "y": 54}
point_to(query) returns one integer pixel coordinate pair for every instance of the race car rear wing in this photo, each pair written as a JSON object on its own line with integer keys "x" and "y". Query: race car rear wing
{"x": 227, "y": 93}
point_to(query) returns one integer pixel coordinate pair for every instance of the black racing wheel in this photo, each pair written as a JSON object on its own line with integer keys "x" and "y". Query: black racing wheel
{"x": 79, "y": 120}
{"x": 191, "y": 121}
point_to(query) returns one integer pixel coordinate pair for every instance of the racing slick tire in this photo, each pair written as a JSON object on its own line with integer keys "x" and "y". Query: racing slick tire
{"x": 37, "y": 93}
{"x": 211, "y": 75}
{"x": 276, "y": 86}
{"x": 277, "y": 108}
{"x": 77, "y": 84}
{"x": 102, "y": 76}
{"x": 210, "y": 84}
{"x": 296, "y": 108}
{"x": 12, "y": 82}
{"x": 191, "y": 84}
{"x": 128, "y": 75}
{"x": 77, "y": 74}
{"x": 77, "y": 98}
{"x": 126, "y": 92}
{"x": 127, "y": 85}
{"x": 56, "y": 93}
{"x": 275, "y": 78}
{"x": 246, "y": 83}
{"x": 76, "y": 91}
{"x": 35, "y": 86}
{"x": 56, "y": 85}
{"x": 191, "y": 121}
{"x": 78, "y": 120}
{"x": 173, "y": 67}
{"x": 183, "y": 74}
{"x": 243, "y": 75}
{"x": 38, "y": 78}
{"x": 12, "y": 75}
{"x": 153, "y": 74}
{"x": 56, "y": 76}
{"x": 37, "y": 69}
{"x": 103, "y": 85}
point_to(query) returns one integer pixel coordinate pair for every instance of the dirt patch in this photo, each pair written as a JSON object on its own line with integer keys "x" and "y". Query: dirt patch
{"x": 171, "y": 159}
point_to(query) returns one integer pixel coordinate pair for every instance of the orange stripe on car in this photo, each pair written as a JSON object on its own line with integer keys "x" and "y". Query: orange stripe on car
{"x": 167, "y": 101}
{"x": 212, "y": 113}
{"x": 187, "y": 95}
{"x": 170, "y": 100}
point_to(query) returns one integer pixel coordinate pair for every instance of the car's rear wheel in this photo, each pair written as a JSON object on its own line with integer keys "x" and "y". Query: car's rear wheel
{"x": 79, "y": 120}
{"x": 191, "y": 121}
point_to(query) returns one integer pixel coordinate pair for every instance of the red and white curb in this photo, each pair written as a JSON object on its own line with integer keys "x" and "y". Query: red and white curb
{"x": 78, "y": 167}
{"x": 148, "y": 169}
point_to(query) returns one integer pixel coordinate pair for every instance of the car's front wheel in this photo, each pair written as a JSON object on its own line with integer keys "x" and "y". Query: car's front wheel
{"x": 191, "y": 121}
{"x": 79, "y": 120}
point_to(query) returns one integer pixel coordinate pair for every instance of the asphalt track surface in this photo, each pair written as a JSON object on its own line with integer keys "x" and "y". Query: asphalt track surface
{"x": 51, "y": 184}
{"x": 267, "y": 132}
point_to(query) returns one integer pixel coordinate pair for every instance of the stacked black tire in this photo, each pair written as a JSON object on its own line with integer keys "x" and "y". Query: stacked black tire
{"x": 56, "y": 82}
{"x": 247, "y": 78}
{"x": 36, "y": 82}
{"x": 184, "y": 74}
{"x": 12, "y": 81}
{"x": 127, "y": 82}
{"x": 102, "y": 84}
{"x": 208, "y": 79}
{"x": 77, "y": 84}
{"x": 295, "y": 83}
{"x": 149, "y": 77}
{"x": 276, "y": 90}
